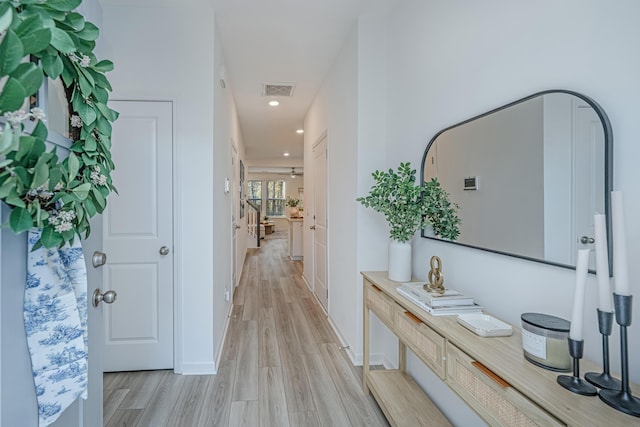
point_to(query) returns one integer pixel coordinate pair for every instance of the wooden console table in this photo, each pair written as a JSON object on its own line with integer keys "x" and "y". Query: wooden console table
{"x": 490, "y": 374}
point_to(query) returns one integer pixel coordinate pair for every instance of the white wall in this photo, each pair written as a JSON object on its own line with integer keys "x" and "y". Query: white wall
{"x": 152, "y": 49}
{"x": 170, "y": 53}
{"x": 226, "y": 134}
{"x": 373, "y": 231}
{"x": 444, "y": 62}
{"x": 477, "y": 69}
{"x": 340, "y": 123}
{"x": 341, "y": 185}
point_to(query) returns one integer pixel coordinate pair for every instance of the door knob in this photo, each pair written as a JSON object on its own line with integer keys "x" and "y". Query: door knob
{"x": 586, "y": 240}
{"x": 164, "y": 250}
{"x": 108, "y": 297}
{"x": 98, "y": 259}
{"x": 238, "y": 227}
{"x": 312, "y": 227}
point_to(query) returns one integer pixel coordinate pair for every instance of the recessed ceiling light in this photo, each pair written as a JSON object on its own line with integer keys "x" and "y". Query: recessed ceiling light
{"x": 274, "y": 103}
{"x": 300, "y": 131}
{"x": 286, "y": 154}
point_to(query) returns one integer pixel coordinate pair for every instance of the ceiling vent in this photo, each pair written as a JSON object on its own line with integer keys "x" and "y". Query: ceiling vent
{"x": 278, "y": 89}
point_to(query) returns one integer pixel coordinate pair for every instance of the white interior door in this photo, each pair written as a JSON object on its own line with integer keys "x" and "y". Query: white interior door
{"x": 138, "y": 238}
{"x": 320, "y": 267}
{"x": 18, "y": 405}
{"x": 91, "y": 409}
{"x": 588, "y": 180}
{"x": 235, "y": 215}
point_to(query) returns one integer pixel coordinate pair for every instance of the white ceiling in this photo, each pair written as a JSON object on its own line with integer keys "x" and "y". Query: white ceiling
{"x": 275, "y": 41}
{"x": 280, "y": 41}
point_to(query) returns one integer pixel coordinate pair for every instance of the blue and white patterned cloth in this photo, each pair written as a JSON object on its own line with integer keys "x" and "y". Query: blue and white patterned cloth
{"x": 55, "y": 320}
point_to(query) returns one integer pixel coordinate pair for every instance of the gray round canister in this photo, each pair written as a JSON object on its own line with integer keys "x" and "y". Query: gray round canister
{"x": 544, "y": 341}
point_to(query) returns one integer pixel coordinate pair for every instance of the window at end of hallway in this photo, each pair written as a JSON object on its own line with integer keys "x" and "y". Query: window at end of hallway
{"x": 254, "y": 193}
{"x": 275, "y": 198}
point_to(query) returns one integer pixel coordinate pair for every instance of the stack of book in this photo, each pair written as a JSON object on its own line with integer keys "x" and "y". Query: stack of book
{"x": 448, "y": 304}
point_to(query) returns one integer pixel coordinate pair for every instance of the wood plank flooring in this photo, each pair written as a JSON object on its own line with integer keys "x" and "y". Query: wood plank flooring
{"x": 281, "y": 365}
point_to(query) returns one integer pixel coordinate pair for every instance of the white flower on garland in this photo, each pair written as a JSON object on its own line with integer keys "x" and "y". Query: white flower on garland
{"x": 17, "y": 117}
{"x": 62, "y": 221}
{"x": 38, "y": 114}
{"x": 97, "y": 177}
{"x": 76, "y": 121}
{"x": 84, "y": 61}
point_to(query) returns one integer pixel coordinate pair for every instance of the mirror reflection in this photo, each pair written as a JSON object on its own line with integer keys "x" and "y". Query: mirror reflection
{"x": 528, "y": 176}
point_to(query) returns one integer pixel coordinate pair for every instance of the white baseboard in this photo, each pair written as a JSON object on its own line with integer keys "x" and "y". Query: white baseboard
{"x": 207, "y": 368}
{"x": 374, "y": 359}
{"x": 224, "y": 336}
{"x": 204, "y": 368}
{"x": 304, "y": 279}
{"x": 347, "y": 348}
{"x": 356, "y": 359}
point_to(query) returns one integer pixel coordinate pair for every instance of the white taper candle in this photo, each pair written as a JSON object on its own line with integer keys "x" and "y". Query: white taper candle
{"x": 620, "y": 268}
{"x": 577, "y": 316}
{"x": 602, "y": 263}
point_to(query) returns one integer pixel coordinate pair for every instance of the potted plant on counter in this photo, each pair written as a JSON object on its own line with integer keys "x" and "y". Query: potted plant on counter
{"x": 408, "y": 208}
{"x": 293, "y": 203}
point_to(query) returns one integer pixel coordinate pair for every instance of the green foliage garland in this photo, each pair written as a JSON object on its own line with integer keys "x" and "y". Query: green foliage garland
{"x": 46, "y": 38}
{"x": 409, "y": 207}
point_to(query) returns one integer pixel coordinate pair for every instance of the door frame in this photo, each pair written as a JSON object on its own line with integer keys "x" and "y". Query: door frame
{"x": 322, "y": 136}
{"x": 177, "y": 220}
{"x": 235, "y": 215}
{"x": 594, "y": 147}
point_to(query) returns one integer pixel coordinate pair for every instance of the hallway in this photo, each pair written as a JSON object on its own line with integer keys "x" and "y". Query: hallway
{"x": 281, "y": 365}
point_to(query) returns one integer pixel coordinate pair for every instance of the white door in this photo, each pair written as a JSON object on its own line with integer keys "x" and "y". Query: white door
{"x": 588, "y": 180}
{"x": 91, "y": 409}
{"x": 320, "y": 268}
{"x": 138, "y": 236}
{"x": 18, "y": 406}
{"x": 235, "y": 215}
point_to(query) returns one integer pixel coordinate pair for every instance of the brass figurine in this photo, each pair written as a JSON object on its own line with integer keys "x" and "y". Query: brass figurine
{"x": 436, "y": 278}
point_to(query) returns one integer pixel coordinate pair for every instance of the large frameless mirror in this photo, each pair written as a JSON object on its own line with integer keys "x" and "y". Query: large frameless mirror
{"x": 528, "y": 177}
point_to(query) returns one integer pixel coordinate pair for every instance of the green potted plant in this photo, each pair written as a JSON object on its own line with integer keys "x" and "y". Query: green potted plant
{"x": 293, "y": 203}
{"x": 408, "y": 208}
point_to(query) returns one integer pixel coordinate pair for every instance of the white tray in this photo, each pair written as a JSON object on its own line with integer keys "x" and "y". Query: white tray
{"x": 485, "y": 325}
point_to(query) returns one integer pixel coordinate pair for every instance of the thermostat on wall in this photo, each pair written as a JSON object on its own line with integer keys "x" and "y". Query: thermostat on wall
{"x": 471, "y": 183}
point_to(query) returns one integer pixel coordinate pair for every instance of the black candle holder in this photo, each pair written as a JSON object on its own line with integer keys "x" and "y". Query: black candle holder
{"x": 622, "y": 399}
{"x": 574, "y": 383}
{"x": 604, "y": 379}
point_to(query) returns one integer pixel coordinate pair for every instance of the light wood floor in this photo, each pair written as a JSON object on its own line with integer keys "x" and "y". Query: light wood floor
{"x": 282, "y": 365}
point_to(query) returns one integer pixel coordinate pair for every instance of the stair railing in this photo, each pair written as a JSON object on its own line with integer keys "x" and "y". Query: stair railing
{"x": 253, "y": 221}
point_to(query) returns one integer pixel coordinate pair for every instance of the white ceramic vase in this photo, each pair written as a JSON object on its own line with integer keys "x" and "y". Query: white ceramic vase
{"x": 399, "y": 261}
{"x": 294, "y": 212}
